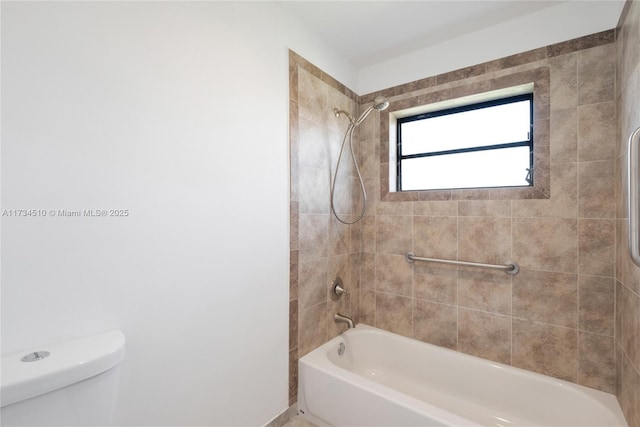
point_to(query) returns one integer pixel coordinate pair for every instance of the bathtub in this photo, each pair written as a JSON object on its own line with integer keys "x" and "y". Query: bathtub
{"x": 384, "y": 379}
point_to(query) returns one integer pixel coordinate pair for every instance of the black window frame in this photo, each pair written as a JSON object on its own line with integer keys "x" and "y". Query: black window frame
{"x": 461, "y": 109}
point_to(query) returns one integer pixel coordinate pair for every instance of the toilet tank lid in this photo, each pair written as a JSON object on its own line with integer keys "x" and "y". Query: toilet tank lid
{"x": 39, "y": 370}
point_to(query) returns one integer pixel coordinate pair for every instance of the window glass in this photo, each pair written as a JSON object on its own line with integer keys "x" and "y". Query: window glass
{"x": 492, "y": 168}
{"x": 488, "y": 144}
{"x": 487, "y": 126}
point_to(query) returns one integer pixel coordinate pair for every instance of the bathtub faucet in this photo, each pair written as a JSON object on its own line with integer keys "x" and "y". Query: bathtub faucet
{"x": 339, "y": 318}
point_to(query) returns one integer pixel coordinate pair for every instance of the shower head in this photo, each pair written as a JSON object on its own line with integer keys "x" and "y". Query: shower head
{"x": 379, "y": 104}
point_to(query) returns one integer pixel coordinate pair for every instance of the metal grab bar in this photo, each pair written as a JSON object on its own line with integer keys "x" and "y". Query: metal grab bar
{"x": 633, "y": 198}
{"x": 511, "y": 267}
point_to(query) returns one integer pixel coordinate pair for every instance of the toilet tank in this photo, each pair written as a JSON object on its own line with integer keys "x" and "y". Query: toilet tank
{"x": 72, "y": 383}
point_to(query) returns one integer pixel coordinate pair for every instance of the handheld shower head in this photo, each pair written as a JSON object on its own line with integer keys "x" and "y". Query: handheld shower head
{"x": 379, "y": 104}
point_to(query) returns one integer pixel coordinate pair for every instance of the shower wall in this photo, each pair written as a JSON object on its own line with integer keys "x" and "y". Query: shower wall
{"x": 556, "y": 316}
{"x": 627, "y": 274}
{"x": 321, "y": 247}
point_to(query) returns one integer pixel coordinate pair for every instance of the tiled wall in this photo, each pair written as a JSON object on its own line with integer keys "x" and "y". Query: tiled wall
{"x": 556, "y": 316}
{"x": 321, "y": 247}
{"x": 627, "y": 274}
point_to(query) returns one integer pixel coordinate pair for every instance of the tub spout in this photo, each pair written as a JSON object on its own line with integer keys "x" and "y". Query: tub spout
{"x": 339, "y": 318}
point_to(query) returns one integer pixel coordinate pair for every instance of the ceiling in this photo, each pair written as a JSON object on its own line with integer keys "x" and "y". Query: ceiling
{"x": 369, "y": 32}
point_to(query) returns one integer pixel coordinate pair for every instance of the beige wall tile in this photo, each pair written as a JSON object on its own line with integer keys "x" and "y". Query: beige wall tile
{"x": 436, "y": 208}
{"x": 340, "y": 236}
{"x": 293, "y": 275}
{"x": 587, "y": 42}
{"x": 314, "y": 237}
{"x": 564, "y": 195}
{"x": 312, "y": 97}
{"x": 293, "y": 376}
{"x": 546, "y": 244}
{"x": 596, "y": 197}
{"x": 518, "y": 59}
{"x": 546, "y": 297}
{"x": 394, "y": 208}
{"x": 346, "y": 196}
{"x": 564, "y": 136}
{"x": 485, "y": 335}
{"x": 461, "y": 74}
{"x": 626, "y": 271}
{"x": 354, "y": 270}
{"x": 293, "y": 323}
{"x": 394, "y": 274}
{"x": 369, "y": 129}
{"x": 620, "y": 183}
{"x": 596, "y": 244}
{"x": 596, "y": 131}
{"x": 435, "y": 237}
{"x": 435, "y": 282}
{"x": 393, "y": 234}
{"x": 596, "y": 367}
{"x": 628, "y": 114}
{"x": 368, "y": 307}
{"x": 618, "y": 368}
{"x": 488, "y": 291}
{"x": 436, "y": 323}
{"x": 354, "y": 305}
{"x": 564, "y": 91}
{"x": 629, "y": 396}
{"x": 567, "y": 63}
{"x": 312, "y": 288}
{"x": 549, "y": 350}
{"x": 596, "y": 68}
{"x": 368, "y": 232}
{"x": 314, "y": 191}
{"x": 313, "y": 145}
{"x": 335, "y": 143}
{"x": 490, "y": 208}
{"x": 368, "y": 157}
{"x": 355, "y": 236}
{"x": 312, "y": 331}
{"x": 484, "y": 239}
{"x": 368, "y": 271}
{"x": 294, "y": 226}
{"x": 393, "y": 313}
{"x": 596, "y": 305}
{"x": 629, "y": 335}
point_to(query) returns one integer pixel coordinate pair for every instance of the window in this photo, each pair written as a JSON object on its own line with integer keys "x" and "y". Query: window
{"x": 482, "y": 145}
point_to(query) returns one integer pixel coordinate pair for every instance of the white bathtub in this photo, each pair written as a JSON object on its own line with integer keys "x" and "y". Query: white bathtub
{"x": 384, "y": 379}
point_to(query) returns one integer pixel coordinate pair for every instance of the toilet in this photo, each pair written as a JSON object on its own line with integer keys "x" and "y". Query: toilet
{"x": 72, "y": 383}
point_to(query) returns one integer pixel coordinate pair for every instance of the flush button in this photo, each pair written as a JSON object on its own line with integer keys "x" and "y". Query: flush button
{"x": 34, "y": 357}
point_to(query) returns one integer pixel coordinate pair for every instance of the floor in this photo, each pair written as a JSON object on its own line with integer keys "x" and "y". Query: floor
{"x": 298, "y": 421}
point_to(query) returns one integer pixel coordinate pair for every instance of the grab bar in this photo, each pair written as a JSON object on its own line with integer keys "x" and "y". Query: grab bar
{"x": 633, "y": 198}
{"x": 511, "y": 267}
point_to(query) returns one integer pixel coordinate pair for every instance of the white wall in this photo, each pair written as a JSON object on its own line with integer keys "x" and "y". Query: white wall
{"x": 568, "y": 20}
{"x": 177, "y": 112}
